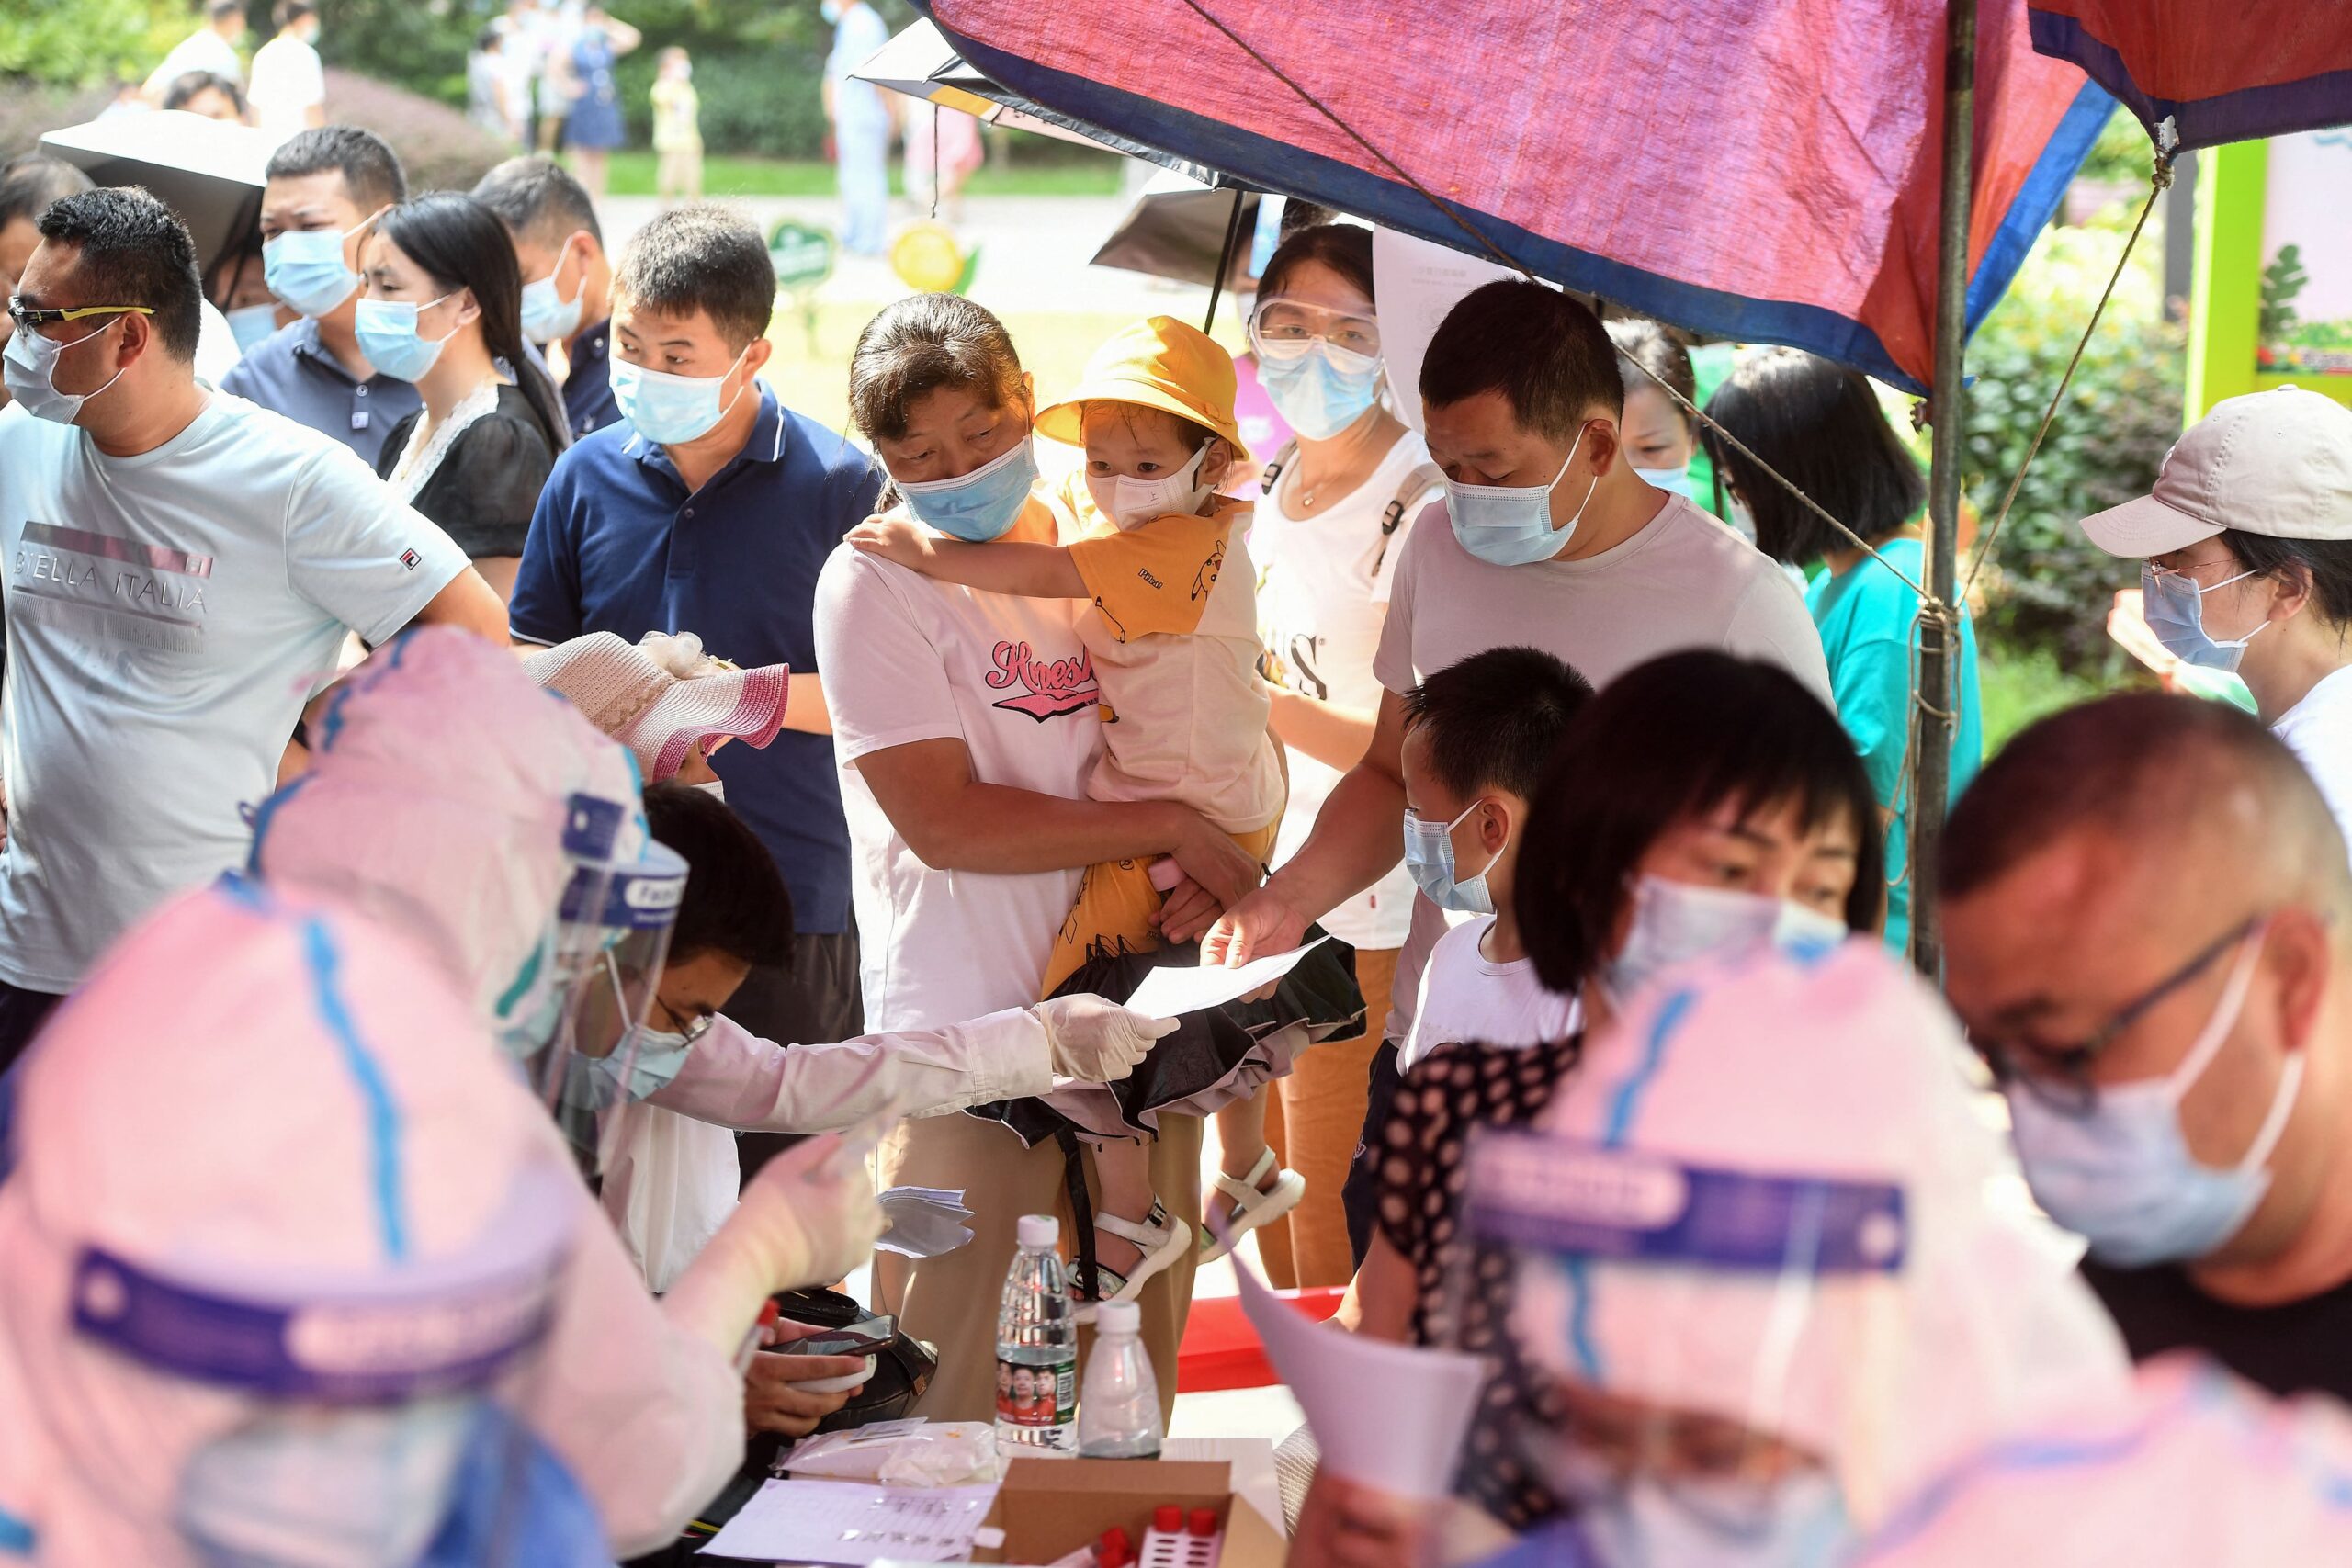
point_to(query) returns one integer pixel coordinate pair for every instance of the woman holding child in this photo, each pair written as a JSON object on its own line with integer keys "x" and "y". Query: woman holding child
{"x": 967, "y": 727}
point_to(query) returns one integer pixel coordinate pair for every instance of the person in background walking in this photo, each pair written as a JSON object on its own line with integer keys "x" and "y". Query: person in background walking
{"x": 212, "y": 47}
{"x": 592, "y": 127}
{"x": 489, "y": 84}
{"x": 289, "y": 86}
{"x": 949, "y": 139}
{"x": 860, "y": 118}
{"x": 677, "y": 129}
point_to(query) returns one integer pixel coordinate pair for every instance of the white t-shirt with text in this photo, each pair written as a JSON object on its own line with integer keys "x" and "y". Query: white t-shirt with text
{"x": 168, "y": 615}
{"x": 1685, "y": 580}
{"x": 1323, "y": 595}
{"x": 2319, "y": 731}
{"x": 1467, "y": 995}
{"x": 908, "y": 658}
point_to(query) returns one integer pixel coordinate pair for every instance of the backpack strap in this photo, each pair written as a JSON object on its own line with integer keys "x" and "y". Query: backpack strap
{"x": 1418, "y": 486}
{"x": 1273, "y": 470}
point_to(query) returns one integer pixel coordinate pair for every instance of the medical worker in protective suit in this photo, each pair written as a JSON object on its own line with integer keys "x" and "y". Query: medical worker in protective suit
{"x": 1779, "y": 1267}
{"x": 297, "y": 1268}
{"x": 452, "y": 800}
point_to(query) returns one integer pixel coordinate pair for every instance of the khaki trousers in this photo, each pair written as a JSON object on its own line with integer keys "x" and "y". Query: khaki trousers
{"x": 952, "y": 1300}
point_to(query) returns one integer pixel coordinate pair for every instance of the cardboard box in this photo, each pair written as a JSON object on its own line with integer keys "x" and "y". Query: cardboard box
{"x": 1049, "y": 1507}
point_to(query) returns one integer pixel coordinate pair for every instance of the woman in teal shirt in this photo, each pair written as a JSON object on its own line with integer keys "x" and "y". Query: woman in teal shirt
{"x": 1820, "y": 427}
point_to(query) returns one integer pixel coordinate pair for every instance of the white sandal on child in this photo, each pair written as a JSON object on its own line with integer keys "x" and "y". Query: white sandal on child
{"x": 1162, "y": 1243}
{"x": 1253, "y": 1207}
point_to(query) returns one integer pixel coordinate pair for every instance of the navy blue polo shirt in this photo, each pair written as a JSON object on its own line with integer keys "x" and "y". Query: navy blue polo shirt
{"x": 588, "y": 385}
{"x": 617, "y": 545}
{"x": 292, "y": 373}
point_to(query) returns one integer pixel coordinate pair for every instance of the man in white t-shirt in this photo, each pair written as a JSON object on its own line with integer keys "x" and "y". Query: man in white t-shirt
{"x": 212, "y": 47}
{"x": 1477, "y": 735}
{"x": 182, "y": 567}
{"x": 1547, "y": 538}
{"x": 289, "y": 86}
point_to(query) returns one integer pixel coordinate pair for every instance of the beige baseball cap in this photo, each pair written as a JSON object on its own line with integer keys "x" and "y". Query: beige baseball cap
{"x": 2278, "y": 463}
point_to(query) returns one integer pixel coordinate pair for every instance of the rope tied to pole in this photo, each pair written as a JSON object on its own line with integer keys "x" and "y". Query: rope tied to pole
{"x": 2159, "y": 181}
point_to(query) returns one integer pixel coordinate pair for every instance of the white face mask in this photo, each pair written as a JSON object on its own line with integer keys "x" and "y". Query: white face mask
{"x": 1131, "y": 502}
{"x": 30, "y": 367}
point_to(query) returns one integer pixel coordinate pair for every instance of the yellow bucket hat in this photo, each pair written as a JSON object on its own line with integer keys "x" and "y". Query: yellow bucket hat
{"x": 1158, "y": 362}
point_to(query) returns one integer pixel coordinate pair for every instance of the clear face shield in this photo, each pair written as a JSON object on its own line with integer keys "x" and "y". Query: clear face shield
{"x": 581, "y": 1031}
{"x": 1693, "y": 1359}
{"x": 371, "y": 1423}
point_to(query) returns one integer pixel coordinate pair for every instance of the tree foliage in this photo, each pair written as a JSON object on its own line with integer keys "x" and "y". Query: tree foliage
{"x": 82, "y": 44}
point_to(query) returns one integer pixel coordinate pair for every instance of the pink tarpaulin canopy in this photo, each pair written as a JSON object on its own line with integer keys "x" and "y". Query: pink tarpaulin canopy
{"x": 1761, "y": 172}
{"x": 2219, "y": 69}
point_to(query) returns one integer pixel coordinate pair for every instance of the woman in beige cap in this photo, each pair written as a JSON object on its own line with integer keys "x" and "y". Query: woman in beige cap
{"x": 2246, "y": 552}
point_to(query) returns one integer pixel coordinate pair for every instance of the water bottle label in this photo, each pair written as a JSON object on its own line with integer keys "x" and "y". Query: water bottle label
{"x": 1036, "y": 1396}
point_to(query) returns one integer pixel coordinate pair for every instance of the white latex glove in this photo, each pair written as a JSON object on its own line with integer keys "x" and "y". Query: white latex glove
{"x": 807, "y": 1218}
{"x": 1096, "y": 1041}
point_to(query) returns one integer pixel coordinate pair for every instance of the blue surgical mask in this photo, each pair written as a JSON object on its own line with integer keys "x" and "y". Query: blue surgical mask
{"x": 830, "y": 10}
{"x": 2174, "y": 604}
{"x": 306, "y": 269}
{"x": 1801, "y": 1524}
{"x": 1742, "y": 520}
{"x": 980, "y": 505}
{"x": 2120, "y": 1174}
{"x": 30, "y": 372}
{"x": 388, "y": 337}
{"x": 1676, "y": 923}
{"x": 1674, "y": 481}
{"x": 545, "y": 315}
{"x": 364, "y": 1485}
{"x": 593, "y": 1083}
{"x": 1429, "y": 856}
{"x": 1318, "y": 388}
{"x": 251, "y": 326}
{"x": 1511, "y": 525}
{"x": 670, "y": 410}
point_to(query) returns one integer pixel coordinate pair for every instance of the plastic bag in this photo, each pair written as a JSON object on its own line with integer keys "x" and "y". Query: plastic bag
{"x": 913, "y": 1452}
{"x": 669, "y": 1190}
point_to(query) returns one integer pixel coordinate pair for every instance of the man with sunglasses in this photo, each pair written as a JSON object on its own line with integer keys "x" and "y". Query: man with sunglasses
{"x": 181, "y": 570}
{"x": 2149, "y": 934}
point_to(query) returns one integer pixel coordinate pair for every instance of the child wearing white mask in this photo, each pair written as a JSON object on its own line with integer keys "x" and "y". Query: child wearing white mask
{"x": 1173, "y": 639}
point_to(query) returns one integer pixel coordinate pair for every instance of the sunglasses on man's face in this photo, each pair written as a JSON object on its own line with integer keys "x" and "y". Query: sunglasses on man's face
{"x": 26, "y": 315}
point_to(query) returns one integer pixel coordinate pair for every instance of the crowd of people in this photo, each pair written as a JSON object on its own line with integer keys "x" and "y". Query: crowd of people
{"x": 523, "y": 1049}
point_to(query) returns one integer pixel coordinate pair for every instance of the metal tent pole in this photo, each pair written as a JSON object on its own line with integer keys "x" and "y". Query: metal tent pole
{"x": 1948, "y": 406}
{"x": 1224, "y": 257}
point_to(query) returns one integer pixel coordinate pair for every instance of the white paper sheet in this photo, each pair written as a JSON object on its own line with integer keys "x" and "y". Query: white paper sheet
{"x": 843, "y": 1522}
{"x": 1175, "y": 990}
{"x": 1417, "y": 284}
{"x": 1389, "y": 1416}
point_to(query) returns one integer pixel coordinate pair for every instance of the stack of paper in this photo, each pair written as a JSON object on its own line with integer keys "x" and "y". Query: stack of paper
{"x": 843, "y": 1522}
{"x": 924, "y": 1222}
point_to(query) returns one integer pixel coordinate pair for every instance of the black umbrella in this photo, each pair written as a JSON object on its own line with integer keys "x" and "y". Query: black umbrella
{"x": 207, "y": 171}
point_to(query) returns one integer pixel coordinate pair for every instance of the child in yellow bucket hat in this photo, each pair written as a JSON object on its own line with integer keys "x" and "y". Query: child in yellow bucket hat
{"x": 1172, "y": 631}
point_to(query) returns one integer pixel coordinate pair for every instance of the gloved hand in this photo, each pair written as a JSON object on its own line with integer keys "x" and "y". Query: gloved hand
{"x": 1096, "y": 1041}
{"x": 807, "y": 1218}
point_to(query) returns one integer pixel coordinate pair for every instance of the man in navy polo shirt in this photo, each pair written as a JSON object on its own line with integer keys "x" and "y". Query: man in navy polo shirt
{"x": 710, "y": 509}
{"x": 567, "y": 280}
{"x": 322, "y": 184}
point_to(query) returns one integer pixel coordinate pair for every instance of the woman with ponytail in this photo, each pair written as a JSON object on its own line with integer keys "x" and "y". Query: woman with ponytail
{"x": 444, "y": 310}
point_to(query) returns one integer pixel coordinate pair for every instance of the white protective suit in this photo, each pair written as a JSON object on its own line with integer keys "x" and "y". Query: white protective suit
{"x": 436, "y": 801}
{"x": 270, "y": 1101}
{"x": 2198, "y": 1470}
{"x": 1837, "y": 1066}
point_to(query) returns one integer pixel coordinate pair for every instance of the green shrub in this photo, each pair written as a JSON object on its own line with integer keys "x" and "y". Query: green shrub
{"x": 439, "y": 148}
{"x": 81, "y": 43}
{"x": 2048, "y": 587}
{"x": 763, "y": 105}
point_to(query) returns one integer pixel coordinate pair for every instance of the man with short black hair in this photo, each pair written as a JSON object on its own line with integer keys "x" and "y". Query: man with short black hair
{"x": 182, "y": 566}
{"x": 1546, "y": 538}
{"x": 321, "y": 186}
{"x": 2148, "y": 932}
{"x": 567, "y": 279}
{"x": 711, "y": 509}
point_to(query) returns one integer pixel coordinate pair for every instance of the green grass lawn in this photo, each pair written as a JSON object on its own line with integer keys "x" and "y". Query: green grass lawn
{"x": 631, "y": 174}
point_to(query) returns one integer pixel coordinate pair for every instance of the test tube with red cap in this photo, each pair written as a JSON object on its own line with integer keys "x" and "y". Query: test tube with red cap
{"x": 1175, "y": 1541}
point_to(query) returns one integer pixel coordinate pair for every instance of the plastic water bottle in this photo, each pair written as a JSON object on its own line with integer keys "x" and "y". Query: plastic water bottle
{"x": 1118, "y": 1418}
{"x": 1036, "y": 1348}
